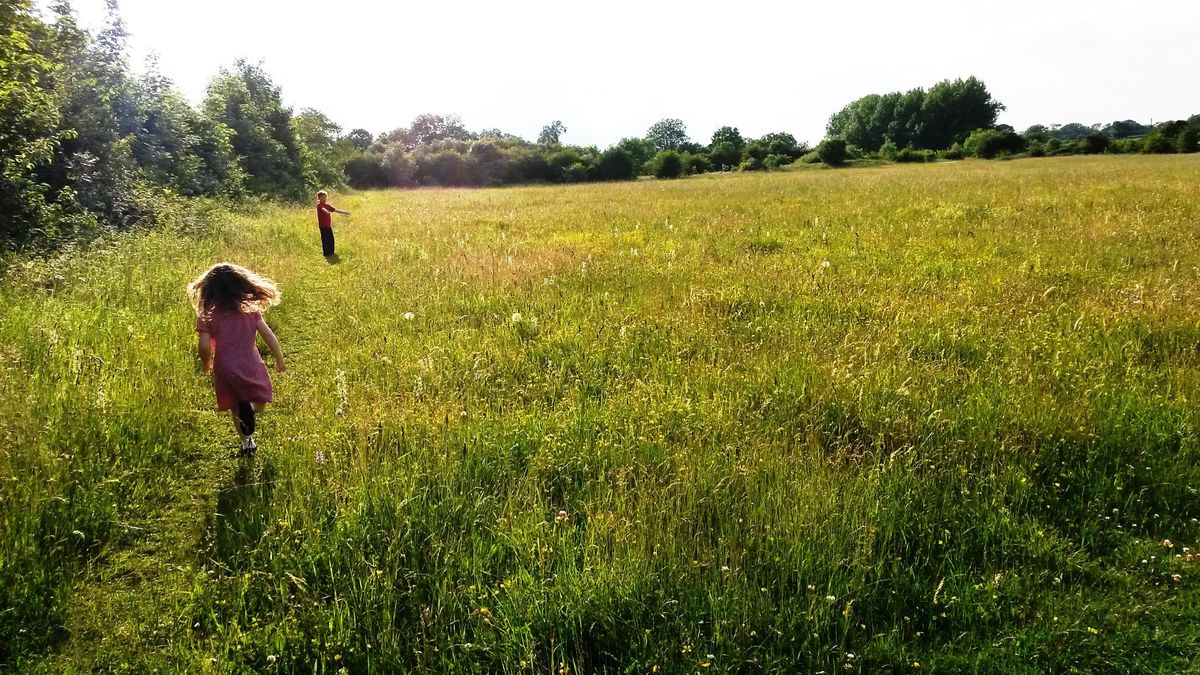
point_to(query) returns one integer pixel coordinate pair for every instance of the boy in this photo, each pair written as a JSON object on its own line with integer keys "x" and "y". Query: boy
{"x": 325, "y": 222}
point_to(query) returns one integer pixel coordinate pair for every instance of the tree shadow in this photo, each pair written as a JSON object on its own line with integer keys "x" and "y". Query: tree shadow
{"x": 242, "y": 514}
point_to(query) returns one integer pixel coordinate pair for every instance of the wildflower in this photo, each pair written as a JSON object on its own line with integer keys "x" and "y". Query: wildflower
{"x": 825, "y": 264}
{"x": 271, "y": 658}
{"x": 1167, "y": 543}
{"x": 1177, "y": 578}
{"x": 409, "y": 316}
{"x": 320, "y": 457}
{"x": 485, "y": 613}
{"x": 1093, "y": 631}
{"x": 562, "y": 517}
{"x": 516, "y": 317}
{"x": 916, "y": 664}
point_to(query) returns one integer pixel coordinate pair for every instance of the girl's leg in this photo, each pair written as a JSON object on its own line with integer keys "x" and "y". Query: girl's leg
{"x": 237, "y": 425}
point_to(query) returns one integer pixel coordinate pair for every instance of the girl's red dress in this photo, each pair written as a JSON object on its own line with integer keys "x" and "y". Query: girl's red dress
{"x": 239, "y": 373}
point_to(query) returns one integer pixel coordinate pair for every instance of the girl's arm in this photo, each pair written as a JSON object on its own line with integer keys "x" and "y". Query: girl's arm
{"x": 204, "y": 350}
{"x": 272, "y": 342}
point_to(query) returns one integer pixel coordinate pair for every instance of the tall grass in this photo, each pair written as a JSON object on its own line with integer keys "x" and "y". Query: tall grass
{"x": 910, "y": 417}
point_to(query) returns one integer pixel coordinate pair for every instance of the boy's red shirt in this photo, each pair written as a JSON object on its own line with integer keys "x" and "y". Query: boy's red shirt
{"x": 324, "y": 219}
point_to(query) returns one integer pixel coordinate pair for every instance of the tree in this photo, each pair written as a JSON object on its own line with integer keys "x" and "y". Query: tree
{"x": 728, "y": 135}
{"x": 551, "y": 133}
{"x": 359, "y": 139}
{"x": 952, "y": 109}
{"x": 268, "y": 150}
{"x": 988, "y": 143}
{"x": 319, "y": 135}
{"x": 725, "y": 155}
{"x": 667, "y": 134}
{"x": 640, "y": 150}
{"x": 427, "y": 128}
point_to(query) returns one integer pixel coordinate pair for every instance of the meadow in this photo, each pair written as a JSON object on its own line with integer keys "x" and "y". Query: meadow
{"x": 905, "y": 418}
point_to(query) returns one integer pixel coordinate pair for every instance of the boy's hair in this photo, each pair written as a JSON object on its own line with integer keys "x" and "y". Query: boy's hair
{"x": 322, "y": 193}
{"x": 232, "y": 288}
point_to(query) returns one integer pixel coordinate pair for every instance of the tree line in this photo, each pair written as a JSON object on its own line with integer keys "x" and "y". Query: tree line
{"x": 956, "y": 119}
{"x": 87, "y": 145}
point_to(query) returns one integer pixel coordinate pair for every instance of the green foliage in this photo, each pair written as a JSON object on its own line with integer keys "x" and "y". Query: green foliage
{"x": 365, "y": 171}
{"x": 1095, "y": 143}
{"x": 1188, "y": 139}
{"x": 668, "y": 164}
{"x": 832, "y": 151}
{"x": 888, "y": 150}
{"x": 551, "y": 133}
{"x": 724, "y": 156}
{"x": 991, "y": 143}
{"x": 933, "y": 120}
{"x": 268, "y": 149}
{"x": 1158, "y": 143}
{"x": 667, "y": 134}
{"x": 615, "y": 164}
{"x": 694, "y": 163}
{"x": 727, "y": 135}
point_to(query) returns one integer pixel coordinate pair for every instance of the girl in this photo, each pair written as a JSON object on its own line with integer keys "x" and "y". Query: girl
{"x": 229, "y": 300}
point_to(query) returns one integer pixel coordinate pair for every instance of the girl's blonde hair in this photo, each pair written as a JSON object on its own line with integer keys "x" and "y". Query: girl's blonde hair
{"x": 232, "y": 288}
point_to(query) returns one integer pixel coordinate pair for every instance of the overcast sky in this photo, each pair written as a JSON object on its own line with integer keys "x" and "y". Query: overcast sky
{"x": 612, "y": 68}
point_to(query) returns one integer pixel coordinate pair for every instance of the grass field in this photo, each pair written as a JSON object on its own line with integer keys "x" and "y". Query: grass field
{"x": 904, "y": 418}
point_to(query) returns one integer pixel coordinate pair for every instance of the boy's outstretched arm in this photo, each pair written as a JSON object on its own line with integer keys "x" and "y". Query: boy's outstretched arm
{"x": 204, "y": 350}
{"x": 272, "y": 342}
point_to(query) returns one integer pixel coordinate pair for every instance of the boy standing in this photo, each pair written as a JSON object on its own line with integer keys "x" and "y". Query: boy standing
{"x": 325, "y": 222}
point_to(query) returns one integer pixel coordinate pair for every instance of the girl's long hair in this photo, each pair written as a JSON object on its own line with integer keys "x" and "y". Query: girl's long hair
{"x": 233, "y": 288}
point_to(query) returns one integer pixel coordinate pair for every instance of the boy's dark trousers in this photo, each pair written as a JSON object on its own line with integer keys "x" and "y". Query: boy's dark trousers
{"x": 326, "y": 240}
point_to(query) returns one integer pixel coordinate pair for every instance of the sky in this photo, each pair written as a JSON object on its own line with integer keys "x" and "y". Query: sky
{"x": 611, "y": 69}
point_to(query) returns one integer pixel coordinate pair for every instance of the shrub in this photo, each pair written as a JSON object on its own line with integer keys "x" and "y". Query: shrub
{"x": 751, "y": 163}
{"x": 888, "y": 151}
{"x": 614, "y": 164}
{"x": 668, "y": 164}
{"x": 810, "y": 157}
{"x": 364, "y": 171}
{"x": 1035, "y": 148}
{"x": 988, "y": 143}
{"x": 954, "y": 152}
{"x": 777, "y": 160}
{"x": 696, "y": 163}
{"x": 909, "y": 155}
{"x": 1095, "y": 143}
{"x": 725, "y": 156}
{"x": 832, "y": 151}
{"x": 576, "y": 173}
{"x": 1157, "y": 143}
{"x": 1188, "y": 140}
{"x": 442, "y": 168}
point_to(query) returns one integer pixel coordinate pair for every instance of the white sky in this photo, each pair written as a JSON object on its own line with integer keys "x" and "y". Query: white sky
{"x": 611, "y": 68}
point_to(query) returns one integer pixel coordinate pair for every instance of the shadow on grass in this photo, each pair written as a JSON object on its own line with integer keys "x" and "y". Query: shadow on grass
{"x": 333, "y": 259}
{"x": 242, "y": 513}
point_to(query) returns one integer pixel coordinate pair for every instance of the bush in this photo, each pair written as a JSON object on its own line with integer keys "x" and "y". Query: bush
{"x": 725, "y": 156}
{"x": 1157, "y": 143}
{"x": 442, "y": 168}
{"x": 751, "y": 163}
{"x": 1035, "y": 148}
{"x": 888, "y": 151}
{"x": 954, "y": 152}
{"x": 777, "y": 160}
{"x": 614, "y": 164}
{"x": 832, "y": 151}
{"x": 1188, "y": 140}
{"x": 1095, "y": 143}
{"x": 988, "y": 143}
{"x": 810, "y": 157}
{"x": 576, "y": 173}
{"x": 364, "y": 171}
{"x": 696, "y": 163}
{"x": 909, "y": 155}
{"x": 668, "y": 164}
